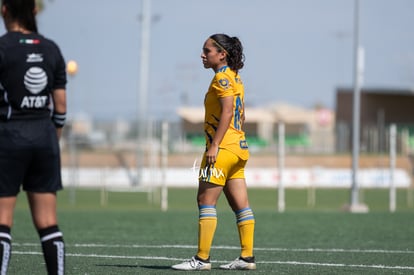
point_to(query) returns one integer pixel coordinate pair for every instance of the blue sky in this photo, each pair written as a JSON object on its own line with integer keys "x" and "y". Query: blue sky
{"x": 297, "y": 51}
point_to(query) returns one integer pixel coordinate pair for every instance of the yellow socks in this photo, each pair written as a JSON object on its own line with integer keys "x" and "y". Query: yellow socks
{"x": 207, "y": 224}
{"x": 245, "y": 225}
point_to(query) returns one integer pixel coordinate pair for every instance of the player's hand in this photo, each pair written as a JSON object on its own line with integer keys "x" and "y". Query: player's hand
{"x": 211, "y": 154}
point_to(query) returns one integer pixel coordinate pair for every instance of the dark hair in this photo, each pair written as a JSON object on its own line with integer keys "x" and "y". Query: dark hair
{"x": 22, "y": 11}
{"x": 233, "y": 47}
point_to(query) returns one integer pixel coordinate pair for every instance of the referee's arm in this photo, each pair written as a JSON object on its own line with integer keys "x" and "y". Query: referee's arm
{"x": 59, "y": 104}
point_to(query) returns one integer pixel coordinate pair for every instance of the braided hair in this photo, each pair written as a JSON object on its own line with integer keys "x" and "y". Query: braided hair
{"x": 233, "y": 47}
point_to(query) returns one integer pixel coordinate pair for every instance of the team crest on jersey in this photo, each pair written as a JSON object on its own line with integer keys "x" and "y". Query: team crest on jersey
{"x": 224, "y": 83}
{"x": 34, "y": 57}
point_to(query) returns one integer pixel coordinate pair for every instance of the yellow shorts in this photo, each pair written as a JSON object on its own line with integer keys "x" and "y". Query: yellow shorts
{"x": 228, "y": 166}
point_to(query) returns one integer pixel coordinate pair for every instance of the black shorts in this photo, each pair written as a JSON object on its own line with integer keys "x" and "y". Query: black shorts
{"x": 29, "y": 157}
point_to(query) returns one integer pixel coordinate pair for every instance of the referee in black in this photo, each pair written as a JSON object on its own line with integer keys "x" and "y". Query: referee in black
{"x": 32, "y": 114}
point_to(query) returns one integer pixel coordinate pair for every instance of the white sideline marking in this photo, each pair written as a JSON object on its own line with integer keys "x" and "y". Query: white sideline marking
{"x": 331, "y": 250}
{"x": 259, "y": 262}
{"x": 339, "y": 265}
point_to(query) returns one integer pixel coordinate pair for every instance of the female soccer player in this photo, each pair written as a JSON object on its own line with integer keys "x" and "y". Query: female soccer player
{"x": 222, "y": 167}
{"x": 32, "y": 114}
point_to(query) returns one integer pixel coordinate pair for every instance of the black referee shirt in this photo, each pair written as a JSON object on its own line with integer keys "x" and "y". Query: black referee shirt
{"x": 31, "y": 67}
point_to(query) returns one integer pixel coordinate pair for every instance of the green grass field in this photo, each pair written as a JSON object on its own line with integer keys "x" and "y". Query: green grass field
{"x": 127, "y": 234}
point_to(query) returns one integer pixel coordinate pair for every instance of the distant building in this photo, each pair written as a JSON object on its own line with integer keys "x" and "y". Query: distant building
{"x": 82, "y": 132}
{"x": 305, "y": 129}
{"x": 379, "y": 109}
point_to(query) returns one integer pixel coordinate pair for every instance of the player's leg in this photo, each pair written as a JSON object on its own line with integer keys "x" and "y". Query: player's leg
{"x": 211, "y": 181}
{"x": 207, "y": 197}
{"x": 236, "y": 194}
{"x": 6, "y": 220}
{"x": 43, "y": 209}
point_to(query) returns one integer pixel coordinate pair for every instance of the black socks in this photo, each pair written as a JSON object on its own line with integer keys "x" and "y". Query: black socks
{"x": 53, "y": 249}
{"x": 5, "y": 248}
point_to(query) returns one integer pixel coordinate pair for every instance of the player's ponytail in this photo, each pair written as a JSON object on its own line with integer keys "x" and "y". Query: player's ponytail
{"x": 23, "y": 12}
{"x": 234, "y": 49}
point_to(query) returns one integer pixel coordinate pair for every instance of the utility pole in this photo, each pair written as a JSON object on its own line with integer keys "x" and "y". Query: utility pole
{"x": 355, "y": 206}
{"x": 142, "y": 112}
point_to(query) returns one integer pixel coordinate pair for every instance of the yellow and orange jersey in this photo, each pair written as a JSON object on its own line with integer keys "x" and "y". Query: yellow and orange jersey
{"x": 226, "y": 83}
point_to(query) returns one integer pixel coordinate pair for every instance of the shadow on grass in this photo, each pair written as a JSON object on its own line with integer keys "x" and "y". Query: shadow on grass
{"x": 118, "y": 265}
{"x": 157, "y": 267}
{"x": 154, "y": 267}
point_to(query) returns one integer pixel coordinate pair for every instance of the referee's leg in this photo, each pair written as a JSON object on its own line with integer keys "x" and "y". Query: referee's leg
{"x": 43, "y": 209}
{"x": 6, "y": 220}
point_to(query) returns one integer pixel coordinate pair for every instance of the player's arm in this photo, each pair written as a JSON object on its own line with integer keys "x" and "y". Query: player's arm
{"x": 59, "y": 111}
{"x": 243, "y": 117}
{"x": 225, "y": 119}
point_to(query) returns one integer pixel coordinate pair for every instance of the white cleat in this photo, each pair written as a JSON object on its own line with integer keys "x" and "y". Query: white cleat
{"x": 240, "y": 264}
{"x": 193, "y": 264}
